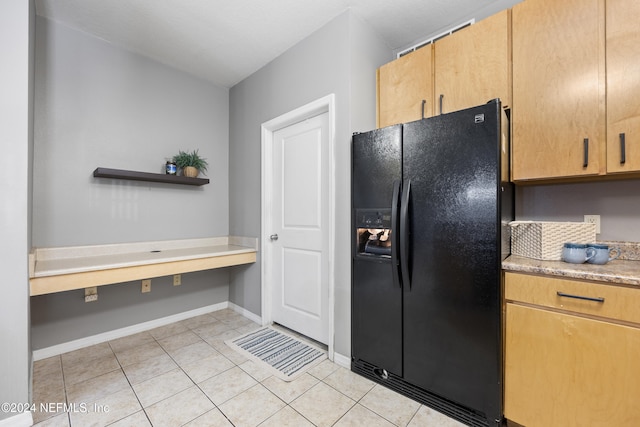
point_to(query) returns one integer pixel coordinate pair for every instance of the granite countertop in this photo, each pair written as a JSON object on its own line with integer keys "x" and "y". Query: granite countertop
{"x": 624, "y": 270}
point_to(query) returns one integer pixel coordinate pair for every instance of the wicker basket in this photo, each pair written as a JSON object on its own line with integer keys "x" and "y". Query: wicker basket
{"x": 544, "y": 239}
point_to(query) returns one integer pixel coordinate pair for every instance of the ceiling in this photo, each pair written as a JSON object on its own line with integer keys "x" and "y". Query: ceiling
{"x": 225, "y": 41}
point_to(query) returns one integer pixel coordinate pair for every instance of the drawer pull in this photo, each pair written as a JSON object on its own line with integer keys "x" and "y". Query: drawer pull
{"x": 562, "y": 294}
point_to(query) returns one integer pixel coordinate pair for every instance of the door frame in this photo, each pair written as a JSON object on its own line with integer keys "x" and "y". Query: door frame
{"x": 325, "y": 104}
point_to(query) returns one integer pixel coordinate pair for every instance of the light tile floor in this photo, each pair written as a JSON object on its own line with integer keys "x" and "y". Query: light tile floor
{"x": 183, "y": 374}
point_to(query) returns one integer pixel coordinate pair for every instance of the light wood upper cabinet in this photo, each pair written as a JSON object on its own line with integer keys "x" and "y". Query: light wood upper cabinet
{"x": 403, "y": 85}
{"x": 623, "y": 86}
{"x": 570, "y": 362}
{"x": 469, "y": 67}
{"x": 472, "y": 65}
{"x": 558, "y": 115}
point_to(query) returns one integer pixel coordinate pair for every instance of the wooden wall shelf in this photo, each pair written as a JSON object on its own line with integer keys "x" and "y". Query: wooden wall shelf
{"x": 146, "y": 176}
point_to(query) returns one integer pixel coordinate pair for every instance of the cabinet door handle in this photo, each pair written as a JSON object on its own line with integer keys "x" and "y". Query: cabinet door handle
{"x": 585, "y": 163}
{"x": 623, "y": 150}
{"x": 424, "y": 101}
{"x": 597, "y": 299}
{"x": 441, "y": 102}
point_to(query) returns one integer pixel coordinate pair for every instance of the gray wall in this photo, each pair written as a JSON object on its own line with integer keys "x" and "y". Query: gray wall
{"x": 99, "y": 105}
{"x": 64, "y": 316}
{"x": 339, "y": 58}
{"x": 617, "y": 203}
{"x": 16, "y": 140}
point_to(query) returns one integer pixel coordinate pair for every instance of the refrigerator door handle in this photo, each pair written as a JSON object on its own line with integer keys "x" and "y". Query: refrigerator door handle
{"x": 395, "y": 259}
{"x": 405, "y": 232}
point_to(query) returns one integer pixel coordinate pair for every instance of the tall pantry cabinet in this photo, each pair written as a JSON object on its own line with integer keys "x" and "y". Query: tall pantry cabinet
{"x": 623, "y": 86}
{"x": 576, "y": 112}
{"x": 558, "y": 119}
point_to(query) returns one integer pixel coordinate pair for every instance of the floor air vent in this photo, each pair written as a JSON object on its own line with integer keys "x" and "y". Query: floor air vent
{"x": 451, "y": 409}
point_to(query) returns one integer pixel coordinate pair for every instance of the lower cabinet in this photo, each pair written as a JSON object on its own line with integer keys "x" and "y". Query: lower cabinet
{"x": 563, "y": 365}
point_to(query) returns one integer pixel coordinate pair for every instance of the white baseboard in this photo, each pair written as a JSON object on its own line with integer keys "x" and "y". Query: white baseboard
{"x": 20, "y": 420}
{"x": 342, "y": 360}
{"x": 55, "y": 350}
{"x": 246, "y": 313}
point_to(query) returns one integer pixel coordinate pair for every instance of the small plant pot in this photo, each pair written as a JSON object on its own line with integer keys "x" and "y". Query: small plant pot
{"x": 190, "y": 171}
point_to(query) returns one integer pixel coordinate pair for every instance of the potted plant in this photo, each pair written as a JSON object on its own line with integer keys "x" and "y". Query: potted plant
{"x": 190, "y": 163}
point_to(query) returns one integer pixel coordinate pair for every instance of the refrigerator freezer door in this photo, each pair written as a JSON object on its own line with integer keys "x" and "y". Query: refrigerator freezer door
{"x": 377, "y": 163}
{"x": 376, "y": 317}
{"x": 376, "y": 304}
{"x": 452, "y": 309}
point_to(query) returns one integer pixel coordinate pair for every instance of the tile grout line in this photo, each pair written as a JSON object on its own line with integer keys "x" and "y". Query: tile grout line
{"x": 64, "y": 385}
{"x": 349, "y": 397}
{"x": 261, "y": 383}
{"x": 235, "y": 365}
{"x": 195, "y": 384}
{"x": 192, "y": 379}
{"x": 130, "y": 386}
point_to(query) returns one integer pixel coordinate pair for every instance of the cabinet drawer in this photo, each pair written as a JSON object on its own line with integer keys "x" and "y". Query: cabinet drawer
{"x": 609, "y": 301}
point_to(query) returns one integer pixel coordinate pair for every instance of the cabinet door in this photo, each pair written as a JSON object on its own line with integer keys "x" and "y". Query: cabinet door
{"x": 403, "y": 85}
{"x": 564, "y": 370}
{"x": 558, "y": 115}
{"x": 472, "y": 65}
{"x": 623, "y": 86}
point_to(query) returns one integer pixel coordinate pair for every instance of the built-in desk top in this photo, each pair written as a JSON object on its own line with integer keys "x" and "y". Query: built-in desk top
{"x": 67, "y": 268}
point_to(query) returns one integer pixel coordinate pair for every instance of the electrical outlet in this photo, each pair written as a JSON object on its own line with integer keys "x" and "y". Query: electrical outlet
{"x": 91, "y": 294}
{"x": 593, "y": 219}
{"x": 146, "y": 285}
{"x": 177, "y": 280}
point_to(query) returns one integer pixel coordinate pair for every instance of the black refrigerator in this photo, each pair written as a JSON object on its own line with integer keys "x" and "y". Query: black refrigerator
{"x": 430, "y": 206}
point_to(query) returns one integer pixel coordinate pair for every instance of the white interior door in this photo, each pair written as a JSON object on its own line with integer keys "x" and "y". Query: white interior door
{"x": 299, "y": 237}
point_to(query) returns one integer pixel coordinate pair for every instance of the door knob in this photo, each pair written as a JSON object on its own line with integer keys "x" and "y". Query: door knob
{"x": 273, "y": 237}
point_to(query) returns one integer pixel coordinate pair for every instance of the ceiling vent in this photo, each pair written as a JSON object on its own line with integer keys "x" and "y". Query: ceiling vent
{"x": 435, "y": 38}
